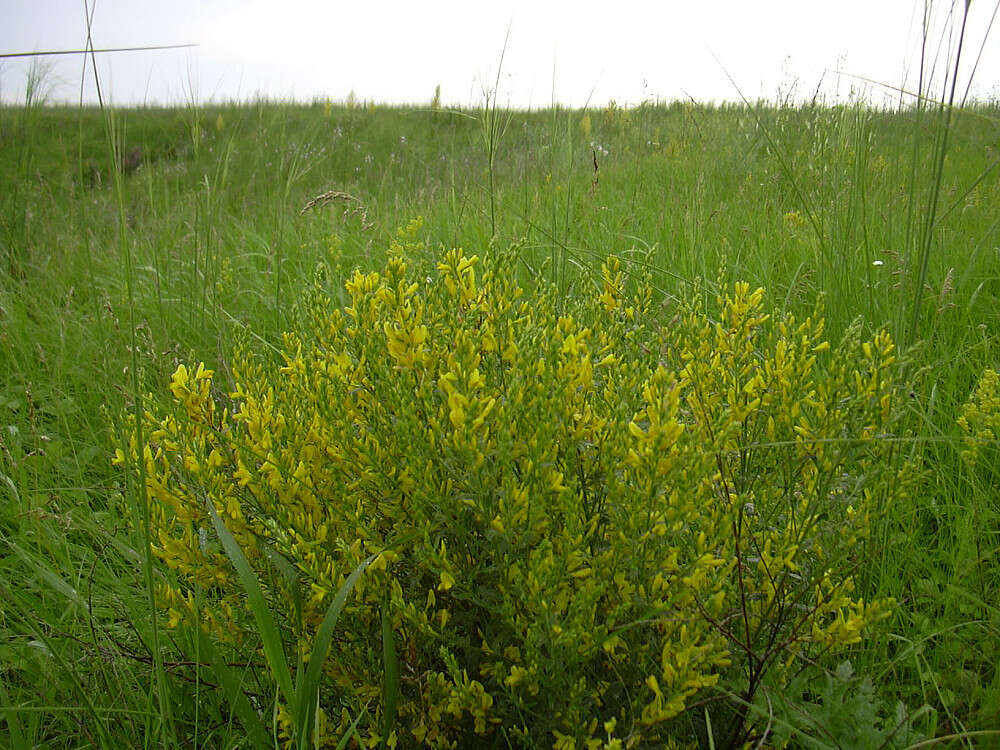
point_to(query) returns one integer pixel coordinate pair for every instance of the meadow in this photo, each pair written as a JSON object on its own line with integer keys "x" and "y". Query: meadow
{"x": 143, "y": 239}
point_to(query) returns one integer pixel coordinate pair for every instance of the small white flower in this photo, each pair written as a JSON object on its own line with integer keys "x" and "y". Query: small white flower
{"x": 877, "y": 263}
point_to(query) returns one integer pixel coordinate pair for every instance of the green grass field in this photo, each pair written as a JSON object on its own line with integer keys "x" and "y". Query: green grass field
{"x": 111, "y": 278}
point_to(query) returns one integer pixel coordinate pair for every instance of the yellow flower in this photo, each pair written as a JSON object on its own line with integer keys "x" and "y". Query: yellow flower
{"x": 179, "y": 382}
{"x": 517, "y": 675}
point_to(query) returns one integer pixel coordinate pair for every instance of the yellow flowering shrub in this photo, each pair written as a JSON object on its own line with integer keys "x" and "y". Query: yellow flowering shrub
{"x": 980, "y": 420}
{"x": 605, "y": 508}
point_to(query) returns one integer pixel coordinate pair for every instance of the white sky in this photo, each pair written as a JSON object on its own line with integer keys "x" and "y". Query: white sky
{"x": 569, "y": 52}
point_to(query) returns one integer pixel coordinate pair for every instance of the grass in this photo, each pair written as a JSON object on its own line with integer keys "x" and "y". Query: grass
{"x": 111, "y": 281}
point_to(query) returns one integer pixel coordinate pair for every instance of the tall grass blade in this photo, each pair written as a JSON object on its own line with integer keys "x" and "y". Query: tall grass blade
{"x": 808, "y": 205}
{"x": 14, "y": 731}
{"x": 88, "y": 51}
{"x": 945, "y": 111}
{"x": 250, "y": 720}
{"x": 112, "y": 134}
{"x": 15, "y": 607}
{"x": 494, "y": 124}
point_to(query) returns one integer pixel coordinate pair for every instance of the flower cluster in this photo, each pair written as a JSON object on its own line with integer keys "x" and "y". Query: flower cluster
{"x": 585, "y": 513}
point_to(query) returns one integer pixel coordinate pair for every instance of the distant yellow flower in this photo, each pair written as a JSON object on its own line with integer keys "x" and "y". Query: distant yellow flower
{"x": 793, "y": 219}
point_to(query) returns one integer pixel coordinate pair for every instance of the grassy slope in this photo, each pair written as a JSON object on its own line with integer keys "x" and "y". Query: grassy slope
{"x": 219, "y": 247}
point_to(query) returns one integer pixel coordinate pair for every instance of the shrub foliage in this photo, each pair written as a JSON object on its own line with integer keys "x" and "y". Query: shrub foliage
{"x": 590, "y": 514}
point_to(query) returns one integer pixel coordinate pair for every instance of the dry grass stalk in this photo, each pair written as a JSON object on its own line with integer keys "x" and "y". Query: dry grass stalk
{"x": 354, "y": 206}
{"x": 328, "y": 197}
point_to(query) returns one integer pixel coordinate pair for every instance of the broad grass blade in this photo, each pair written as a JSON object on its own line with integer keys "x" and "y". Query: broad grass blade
{"x": 270, "y": 638}
{"x": 290, "y": 575}
{"x": 310, "y": 685}
{"x": 390, "y": 678}
{"x": 48, "y": 575}
{"x": 351, "y": 732}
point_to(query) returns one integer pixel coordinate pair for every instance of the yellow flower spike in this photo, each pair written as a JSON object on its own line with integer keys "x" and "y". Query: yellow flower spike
{"x": 447, "y": 581}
